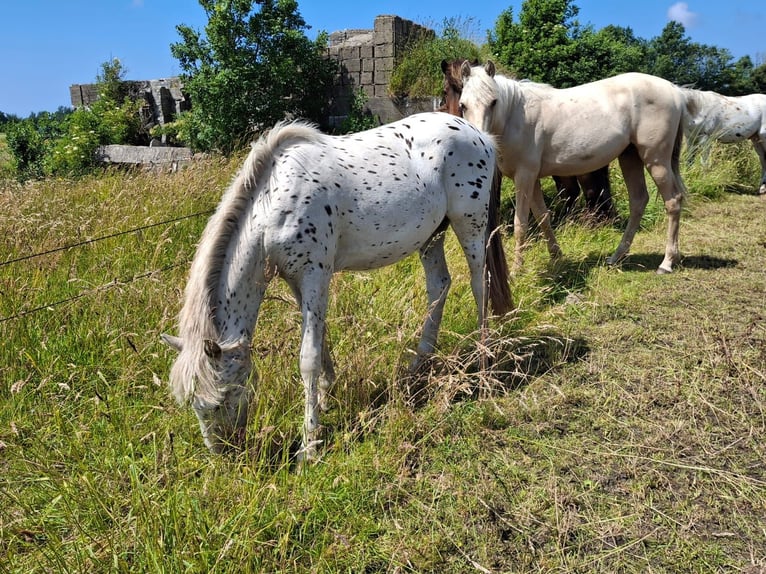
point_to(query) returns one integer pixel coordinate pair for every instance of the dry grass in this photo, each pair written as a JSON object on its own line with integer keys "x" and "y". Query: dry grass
{"x": 615, "y": 423}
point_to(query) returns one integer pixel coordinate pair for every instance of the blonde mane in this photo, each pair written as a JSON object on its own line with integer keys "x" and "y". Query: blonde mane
{"x": 197, "y": 322}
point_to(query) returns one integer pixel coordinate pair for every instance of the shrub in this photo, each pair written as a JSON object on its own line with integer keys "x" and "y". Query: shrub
{"x": 358, "y": 119}
{"x": 418, "y": 73}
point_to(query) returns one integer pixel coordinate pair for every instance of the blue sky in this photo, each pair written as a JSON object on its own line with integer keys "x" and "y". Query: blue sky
{"x": 47, "y": 45}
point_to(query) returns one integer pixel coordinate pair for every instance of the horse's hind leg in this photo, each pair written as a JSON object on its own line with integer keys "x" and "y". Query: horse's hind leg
{"x": 327, "y": 378}
{"x": 669, "y": 184}
{"x": 474, "y": 248}
{"x": 759, "y": 143}
{"x": 437, "y": 286}
{"x": 638, "y": 196}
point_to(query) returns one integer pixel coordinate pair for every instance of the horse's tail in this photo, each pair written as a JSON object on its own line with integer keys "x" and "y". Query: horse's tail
{"x": 497, "y": 267}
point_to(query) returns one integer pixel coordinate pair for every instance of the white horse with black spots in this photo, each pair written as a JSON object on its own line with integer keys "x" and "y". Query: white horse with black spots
{"x": 306, "y": 205}
{"x": 727, "y": 119}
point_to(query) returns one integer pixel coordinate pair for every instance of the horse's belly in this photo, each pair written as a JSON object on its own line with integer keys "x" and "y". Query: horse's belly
{"x": 371, "y": 247}
{"x": 736, "y": 132}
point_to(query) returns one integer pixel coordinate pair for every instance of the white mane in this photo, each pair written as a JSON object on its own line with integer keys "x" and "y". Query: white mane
{"x": 197, "y": 317}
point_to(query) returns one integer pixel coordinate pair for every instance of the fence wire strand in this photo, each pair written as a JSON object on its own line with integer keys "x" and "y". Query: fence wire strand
{"x": 105, "y": 286}
{"x": 87, "y": 292}
{"x": 104, "y": 237}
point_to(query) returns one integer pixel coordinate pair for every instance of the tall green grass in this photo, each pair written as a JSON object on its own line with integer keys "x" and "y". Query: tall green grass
{"x": 101, "y": 472}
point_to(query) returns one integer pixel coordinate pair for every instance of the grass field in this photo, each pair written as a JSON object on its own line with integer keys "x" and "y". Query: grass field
{"x": 621, "y": 430}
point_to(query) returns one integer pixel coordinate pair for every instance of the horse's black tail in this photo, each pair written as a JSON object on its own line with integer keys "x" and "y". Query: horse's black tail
{"x": 675, "y": 160}
{"x": 497, "y": 267}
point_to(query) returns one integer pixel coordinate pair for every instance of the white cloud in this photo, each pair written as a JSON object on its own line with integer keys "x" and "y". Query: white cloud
{"x": 680, "y": 12}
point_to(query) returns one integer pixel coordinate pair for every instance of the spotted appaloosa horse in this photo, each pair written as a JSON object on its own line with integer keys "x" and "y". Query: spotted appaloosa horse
{"x": 594, "y": 185}
{"x": 543, "y": 131}
{"x": 306, "y": 205}
{"x": 727, "y": 119}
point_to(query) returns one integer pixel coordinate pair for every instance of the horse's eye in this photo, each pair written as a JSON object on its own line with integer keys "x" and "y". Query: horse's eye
{"x": 492, "y": 105}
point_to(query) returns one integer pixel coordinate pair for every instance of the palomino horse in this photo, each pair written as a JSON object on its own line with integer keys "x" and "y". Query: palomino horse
{"x": 306, "y": 205}
{"x": 545, "y": 131}
{"x": 727, "y": 119}
{"x": 594, "y": 185}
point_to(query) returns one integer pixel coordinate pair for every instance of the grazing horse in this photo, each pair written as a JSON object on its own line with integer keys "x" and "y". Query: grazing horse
{"x": 727, "y": 119}
{"x": 305, "y": 205}
{"x": 544, "y": 131}
{"x": 594, "y": 185}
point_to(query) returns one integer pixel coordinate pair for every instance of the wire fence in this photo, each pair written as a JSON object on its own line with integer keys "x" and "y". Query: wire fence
{"x": 105, "y": 286}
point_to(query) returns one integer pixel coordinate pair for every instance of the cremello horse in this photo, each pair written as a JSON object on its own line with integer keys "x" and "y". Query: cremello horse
{"x": 595, "y": 185}
{"x": 306, "y": 205}
{"x": 727, "y": 119}
{"x": 545, "y": 131}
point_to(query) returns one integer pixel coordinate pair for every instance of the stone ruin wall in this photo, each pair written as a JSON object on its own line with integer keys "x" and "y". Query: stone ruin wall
{"x": 366, "y": 59}
{"x": 163, "y": 99}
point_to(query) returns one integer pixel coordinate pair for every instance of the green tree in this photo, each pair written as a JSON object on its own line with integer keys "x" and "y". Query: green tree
{"x": 251, "y": 68}
{"x": 673, "y": 56}
{"x": 759, "y": 78}
{"x": 542, "y": 45}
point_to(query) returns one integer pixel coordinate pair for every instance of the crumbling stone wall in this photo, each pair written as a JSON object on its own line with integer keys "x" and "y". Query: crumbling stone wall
{"x": 366, "y": 59}
{"x": 164, "y": 99}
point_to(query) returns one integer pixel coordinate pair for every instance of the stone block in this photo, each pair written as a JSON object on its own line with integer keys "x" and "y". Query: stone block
{"x": 384, "y": 30}
{"x": 384, "y": 64}
{"x": 384, "y": 51}
{"x": 349, "y": 53}
{"x": 366, "y": 52}
{"x": 353, "y": 65}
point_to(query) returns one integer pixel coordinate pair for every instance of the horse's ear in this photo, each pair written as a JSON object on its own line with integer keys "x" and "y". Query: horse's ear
{"x": 489, "y": 67}
{"x": 212, "y": 349}
{"x": 445, "y": 65}
{"x": 175, "y": 343}
{"x": 465, "y": 69}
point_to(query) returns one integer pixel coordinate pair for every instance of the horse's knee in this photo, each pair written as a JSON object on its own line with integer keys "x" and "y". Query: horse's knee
{"x": 673, "y": 205}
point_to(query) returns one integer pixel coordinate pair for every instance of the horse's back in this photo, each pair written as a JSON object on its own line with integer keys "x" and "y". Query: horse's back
{"x": 728, "y": 119}
{"x": 368, "y": 199}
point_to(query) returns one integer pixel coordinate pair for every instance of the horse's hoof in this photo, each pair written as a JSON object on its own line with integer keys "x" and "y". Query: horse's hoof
{"x": 663, "y": 271}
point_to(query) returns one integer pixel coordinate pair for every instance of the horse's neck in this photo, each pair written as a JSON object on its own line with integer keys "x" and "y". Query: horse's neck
{"x": 242, "y": 283}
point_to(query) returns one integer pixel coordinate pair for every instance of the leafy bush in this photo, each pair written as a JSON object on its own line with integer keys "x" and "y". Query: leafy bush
{"x": 104, "y": 122}
{"x": 418, "y": 73}
{"x": 30, "y": 140}
{"x": 358, "y": 118}
{"x": 65, "y": 142}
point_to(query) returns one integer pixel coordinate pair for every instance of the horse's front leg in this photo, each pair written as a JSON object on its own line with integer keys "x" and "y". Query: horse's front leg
{"x": 524, "y": 190}
{"x": 314, "y": 290}
{"x": 543, "y": 217}
{"x": 437, "y": 286}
